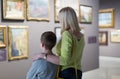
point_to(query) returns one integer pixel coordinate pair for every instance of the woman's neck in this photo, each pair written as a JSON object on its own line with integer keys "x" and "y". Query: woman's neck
{"x": 47, "y": 51}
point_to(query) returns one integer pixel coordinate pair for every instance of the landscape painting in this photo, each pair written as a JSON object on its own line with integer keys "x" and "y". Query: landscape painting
{"x": 18, "y": 42}
{"x": 38, "y": 10}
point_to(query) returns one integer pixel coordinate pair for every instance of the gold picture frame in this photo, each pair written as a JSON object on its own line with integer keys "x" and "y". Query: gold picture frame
{"x": 59, "y": 4}
{"x": 106, "y": 18}
{"x": 14, "y": 9}
{"x": 17, "y": 42}
{"x": 38, "y": 10}
{"x": 2, "y": 36}
{"x": 115, "y": 36}
{"x": 103, "y": 38}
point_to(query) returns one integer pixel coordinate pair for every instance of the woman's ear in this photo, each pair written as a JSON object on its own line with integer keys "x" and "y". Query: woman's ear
{"x": 42, "y": 44}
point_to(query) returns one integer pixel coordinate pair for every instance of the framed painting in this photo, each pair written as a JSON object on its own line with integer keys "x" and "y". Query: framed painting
{"x": 106, "y": 18}
{"x": 59, "y": 4}
{"x": 58, "y": 33}
{"x": 38, "y": 10}
{"x": 2, "y": 54}
{"x": 103, "y": 38}
{"x": 2, "y": 36}
{"x": 17, "y": 42}
{"x": 115, "y": 36}
{"x": 14, "y": 9}
{"x": 86, "y": 14}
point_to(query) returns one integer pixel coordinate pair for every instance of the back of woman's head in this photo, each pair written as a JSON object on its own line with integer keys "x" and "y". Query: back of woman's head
{"x": 68, "y": 19}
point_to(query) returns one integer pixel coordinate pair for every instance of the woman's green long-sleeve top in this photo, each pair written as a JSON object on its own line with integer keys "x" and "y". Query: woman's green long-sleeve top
{"x": 66, "y": 48}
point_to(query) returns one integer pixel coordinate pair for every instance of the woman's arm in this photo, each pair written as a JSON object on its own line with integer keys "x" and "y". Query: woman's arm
{"x": 51, "y": 58}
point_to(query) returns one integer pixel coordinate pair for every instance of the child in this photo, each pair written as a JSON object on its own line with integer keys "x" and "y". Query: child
{"x": 42, "y": 69}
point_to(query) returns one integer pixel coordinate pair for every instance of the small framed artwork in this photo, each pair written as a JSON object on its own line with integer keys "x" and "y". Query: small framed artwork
{"x": 115, "y": 36}
{"x": 2, "y": 54}
{"x": 103, "y": 38}
{"x": 17, "y": 42}
{"x": 14, "y": 9}
{"x": 58, "y": 33}
{"x": 59, "y": 4}
{"x": 106, "y": 18}
{"x": 38, "y": 10}
{"x": 86, "y": 14}
{"x": 2, "y": 36}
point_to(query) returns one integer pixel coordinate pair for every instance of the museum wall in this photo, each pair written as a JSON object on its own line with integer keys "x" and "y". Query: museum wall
{"x": 112, "y": 49}
{"x": 17, "y": 69}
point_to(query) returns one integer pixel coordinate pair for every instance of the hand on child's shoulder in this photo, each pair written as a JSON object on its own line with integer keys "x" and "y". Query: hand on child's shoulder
{"x": 38, "y": 56}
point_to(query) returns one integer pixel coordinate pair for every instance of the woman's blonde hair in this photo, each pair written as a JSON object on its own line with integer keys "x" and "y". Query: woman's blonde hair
{"x": 68, "y": 20}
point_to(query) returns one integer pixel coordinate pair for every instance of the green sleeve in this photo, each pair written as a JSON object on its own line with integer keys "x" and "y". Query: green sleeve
{"x": 66, "y": 48}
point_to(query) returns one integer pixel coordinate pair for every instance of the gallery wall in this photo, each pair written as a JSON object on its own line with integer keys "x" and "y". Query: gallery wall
{"x": 17, "y": 69}
{"x": 112, "y": 49}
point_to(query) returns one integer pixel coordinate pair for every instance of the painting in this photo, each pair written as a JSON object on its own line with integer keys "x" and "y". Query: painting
{"x": 86, "y": 14}
{"x": 59, "y": 4}
{"x": 103, "y": 38}
{"x": 14, "y": 9}
{"x": 2, "y": 54}
{"x": 2, "y": 36}
{"x": 38, "y": 10}
{"x": 58, "y": 33}
{"x": 92, "y": 39}
{"x": 115, "y": 36}
{"x": 17, "y": 42}
{"x": 106, "y": 18}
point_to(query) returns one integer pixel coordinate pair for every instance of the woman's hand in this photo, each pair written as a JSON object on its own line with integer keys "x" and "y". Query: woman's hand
{"x": 38, "y": 56}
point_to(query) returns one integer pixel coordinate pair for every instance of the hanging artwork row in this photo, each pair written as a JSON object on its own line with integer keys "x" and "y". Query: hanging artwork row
{"x": 39, "y": 10}
{"x": 17, "y": 41}
{"x": 114, "y": 37}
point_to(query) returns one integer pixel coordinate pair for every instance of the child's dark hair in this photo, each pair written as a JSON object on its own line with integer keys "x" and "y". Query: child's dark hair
{"x": 48, "y": 39}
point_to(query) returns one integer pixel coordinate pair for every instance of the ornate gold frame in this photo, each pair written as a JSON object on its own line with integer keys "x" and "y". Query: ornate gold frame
{"x": 3, "y": 28}
{"x": 38, "y": 19}
{"x": 104, "y": 13}
{"x": 5, "y": 10}
{"x": 17, "y": 45}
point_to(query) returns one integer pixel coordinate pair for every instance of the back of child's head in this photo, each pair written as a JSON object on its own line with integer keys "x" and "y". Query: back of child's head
{"x": 48, "y": 39}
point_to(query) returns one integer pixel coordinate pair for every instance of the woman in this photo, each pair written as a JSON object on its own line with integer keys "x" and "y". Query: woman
{"x": 70, "y": 46}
